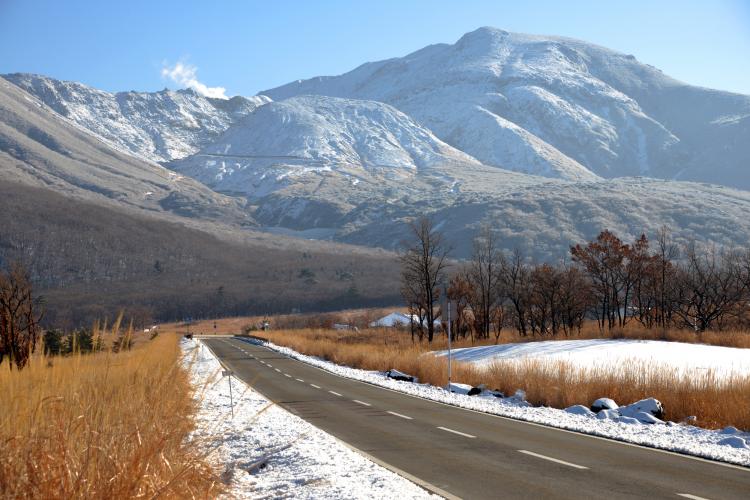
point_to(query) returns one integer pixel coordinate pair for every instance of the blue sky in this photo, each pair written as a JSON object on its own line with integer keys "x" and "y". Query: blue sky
{"x": 249, "y": 46}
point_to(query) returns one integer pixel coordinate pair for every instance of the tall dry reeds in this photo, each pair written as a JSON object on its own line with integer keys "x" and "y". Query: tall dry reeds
{"x": 103, "y": 425}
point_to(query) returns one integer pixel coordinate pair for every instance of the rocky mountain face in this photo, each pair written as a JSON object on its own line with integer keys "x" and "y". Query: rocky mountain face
{"x": 546, "y": 139}
{"x": 556, "y": 107}
{"x": 154, "y": 126}
{"x": 39, "y": 147}
{"x": 364, "y": 142}
{"x": 99, "y": 229}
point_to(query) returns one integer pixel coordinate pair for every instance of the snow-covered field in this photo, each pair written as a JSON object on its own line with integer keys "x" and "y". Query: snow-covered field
{"x": 729, "y": 445}
{"x": 270, "y": 453}
{"x": 698, "y": 359}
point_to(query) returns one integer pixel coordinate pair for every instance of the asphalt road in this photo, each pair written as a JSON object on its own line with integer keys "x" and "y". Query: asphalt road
{"x": 466, "y": 454}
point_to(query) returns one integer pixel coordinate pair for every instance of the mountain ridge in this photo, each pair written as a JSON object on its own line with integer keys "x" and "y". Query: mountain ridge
{"x": 496, "y": 129}
{"x": 526, "y": 80}
{"x": 154, "y": 126}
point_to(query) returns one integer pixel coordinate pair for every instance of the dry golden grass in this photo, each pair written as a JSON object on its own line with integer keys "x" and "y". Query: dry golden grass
{"x": 233, "y": 325}
{"x": 362, "y": 317}
{"x": 101, "y": 426}
{"x": 714, "y": 401}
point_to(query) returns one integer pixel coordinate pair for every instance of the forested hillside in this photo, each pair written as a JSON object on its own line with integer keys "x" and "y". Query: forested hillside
{"x": 89, "y": 260}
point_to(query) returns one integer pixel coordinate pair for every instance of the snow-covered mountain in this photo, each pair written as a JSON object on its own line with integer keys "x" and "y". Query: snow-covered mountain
{"x": 38, "y": 147}
{"x": 539, "y": 137}
{"x": 311, "y": 137}
{"x": 557, "y": 107}
{"x": 155, "y": 126}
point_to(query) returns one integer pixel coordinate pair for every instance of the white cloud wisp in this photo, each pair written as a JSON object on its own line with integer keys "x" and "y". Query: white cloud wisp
{"x": 185, "y": 75}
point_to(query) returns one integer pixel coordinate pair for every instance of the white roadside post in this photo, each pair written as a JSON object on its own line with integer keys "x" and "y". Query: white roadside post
{"x": 228, "y": 373}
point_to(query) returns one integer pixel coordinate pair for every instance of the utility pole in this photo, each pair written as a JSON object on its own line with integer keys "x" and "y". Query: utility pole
{"x": 449, "y": 345}
{"x": 446, "y": 309}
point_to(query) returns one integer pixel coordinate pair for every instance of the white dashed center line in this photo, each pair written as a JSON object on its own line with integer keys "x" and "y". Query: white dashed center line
{"x": 361, "y": 402}
{"x": 299, "y": 380}
{"x": 557, "y": 461}
{"x": 287, "y": 375}
{"x": 335, "y": 393}
{"x": 691, "y": 497}
{"x": 277, "y": 370}
{"x": 456, "y": 432}
{"x": 316, "y": 386}
{"x": 399, "y": 415}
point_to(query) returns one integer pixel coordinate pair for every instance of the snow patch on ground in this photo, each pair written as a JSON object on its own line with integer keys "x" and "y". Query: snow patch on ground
{"x": 698, "y": 359}
{"x": 679, "y": 438}
{"x": 270, "y": 453}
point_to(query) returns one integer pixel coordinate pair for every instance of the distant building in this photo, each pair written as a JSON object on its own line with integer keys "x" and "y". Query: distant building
{"x": 393, "y": 320}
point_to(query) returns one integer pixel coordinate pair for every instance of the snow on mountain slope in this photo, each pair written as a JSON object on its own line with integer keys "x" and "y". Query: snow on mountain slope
{"x": 312, "y": 136}
{"x": 158, "y": 126}
{"x": 439, "y": 132}
{"x": 543, "y": 217}
{"x": 548, "y": 105}
{"x": 39, "y": 147}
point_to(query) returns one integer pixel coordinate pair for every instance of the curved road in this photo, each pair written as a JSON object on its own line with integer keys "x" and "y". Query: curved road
{"x": 466, "y": 454}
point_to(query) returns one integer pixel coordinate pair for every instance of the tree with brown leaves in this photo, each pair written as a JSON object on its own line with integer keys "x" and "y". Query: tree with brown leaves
{"x": 605, "y": 262}
{"x": 460, "y": 292}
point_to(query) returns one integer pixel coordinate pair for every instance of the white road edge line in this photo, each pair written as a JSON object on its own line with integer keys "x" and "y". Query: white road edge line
{"x": 361, "y": 402}
{"x": 316, "y": 386}
{"x": 692, "y": 497}
{"x": 545, "y": 457}
{"x": 456, "y": 432}
{"x": 335, "y": 393}
{"x": 400, "y": 415}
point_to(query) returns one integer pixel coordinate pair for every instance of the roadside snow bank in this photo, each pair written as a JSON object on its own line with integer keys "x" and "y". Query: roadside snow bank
{"x": 269, "y": 452}
{"x": 668, "y": 436}
{"x": 697, "y": 359}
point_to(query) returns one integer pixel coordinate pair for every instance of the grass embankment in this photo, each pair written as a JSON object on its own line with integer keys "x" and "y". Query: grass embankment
{"x": 715, "y": 401}
{"x": 101, "y": 425}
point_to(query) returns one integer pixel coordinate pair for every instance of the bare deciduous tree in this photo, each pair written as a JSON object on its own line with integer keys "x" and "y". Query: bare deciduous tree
{"x": 460, "y": 292}
{"x": 423, "y": 265}
{"x": 710, "y": 287}
{"x": 667, "y": 253}
{"x": 575, "y": 298}
{"x": 612, "y": 281}
{"x": 483, "y": 273}
{"x": 19, "y": 317}
{"x": 515, "y": 282}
